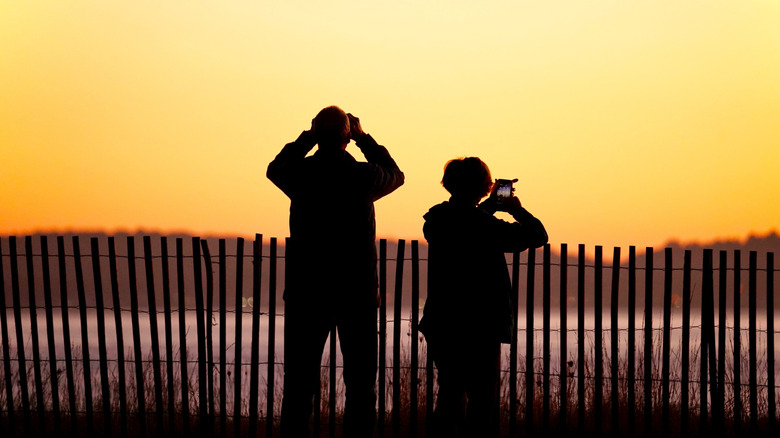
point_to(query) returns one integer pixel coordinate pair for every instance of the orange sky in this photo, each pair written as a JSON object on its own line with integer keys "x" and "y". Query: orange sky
{"x": 627, "y": 123}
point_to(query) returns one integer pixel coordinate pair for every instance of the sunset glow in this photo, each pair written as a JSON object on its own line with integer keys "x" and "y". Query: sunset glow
{"x": 626, "y": 123}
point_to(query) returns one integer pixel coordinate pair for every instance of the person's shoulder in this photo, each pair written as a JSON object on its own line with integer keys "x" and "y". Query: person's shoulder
{"x": 438, "y": 210}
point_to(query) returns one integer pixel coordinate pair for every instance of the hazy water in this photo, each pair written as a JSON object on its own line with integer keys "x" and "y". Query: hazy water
{"x": 76, "y": 345}
{"x": 144, "y": 323}
{"x": 192, "y": 340}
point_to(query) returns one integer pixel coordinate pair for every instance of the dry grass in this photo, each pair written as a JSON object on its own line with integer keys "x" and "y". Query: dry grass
{"x": 572, "y": 403}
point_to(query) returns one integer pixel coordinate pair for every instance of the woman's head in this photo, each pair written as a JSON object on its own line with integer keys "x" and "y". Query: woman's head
{"x": 467, "y": 178}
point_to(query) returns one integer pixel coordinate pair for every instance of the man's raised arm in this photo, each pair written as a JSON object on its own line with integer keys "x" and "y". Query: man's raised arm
{"x": 281, "y": 169}
{"x": 387, "y": 176}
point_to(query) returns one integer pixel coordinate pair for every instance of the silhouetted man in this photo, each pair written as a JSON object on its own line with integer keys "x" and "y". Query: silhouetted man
{"x": 331, "y": 262}
{"x": 468, "y": 312}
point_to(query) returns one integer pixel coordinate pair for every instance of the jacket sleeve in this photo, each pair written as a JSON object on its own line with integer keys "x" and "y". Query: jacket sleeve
{"x": 385, "y": 176}
{"x": 282, "y": 170}
{"x": 526, "y": 232}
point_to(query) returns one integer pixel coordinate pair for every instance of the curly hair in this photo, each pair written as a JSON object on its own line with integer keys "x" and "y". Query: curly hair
{"x": 467, "y": 178}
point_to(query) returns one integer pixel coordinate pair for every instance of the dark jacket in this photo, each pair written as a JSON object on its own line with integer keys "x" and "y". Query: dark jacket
{"x": 332, "y": 254}
{"x": 468, "y": 280}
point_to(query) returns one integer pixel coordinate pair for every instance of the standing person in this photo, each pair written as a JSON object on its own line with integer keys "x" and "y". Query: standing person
{"x": 331, "y": 261}
{"x": 468, "y": 313}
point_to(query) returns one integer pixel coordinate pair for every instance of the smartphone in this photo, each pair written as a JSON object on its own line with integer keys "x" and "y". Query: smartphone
{"x": 505, "y": 188}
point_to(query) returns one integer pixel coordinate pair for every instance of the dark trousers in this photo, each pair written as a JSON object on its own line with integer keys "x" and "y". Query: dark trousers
{"x": 306, "y": 330}
{"x": 468, "y": 377}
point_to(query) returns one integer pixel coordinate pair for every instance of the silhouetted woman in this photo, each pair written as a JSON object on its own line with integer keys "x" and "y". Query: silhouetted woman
{"x": 468, "y": 313}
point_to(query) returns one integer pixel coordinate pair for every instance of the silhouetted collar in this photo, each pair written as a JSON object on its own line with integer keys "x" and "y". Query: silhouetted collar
{"x": 334, "y": 154}
{"x": 462, "y": 203}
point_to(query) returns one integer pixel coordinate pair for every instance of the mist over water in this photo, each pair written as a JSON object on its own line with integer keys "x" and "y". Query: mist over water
{"x": 192, "y": 338}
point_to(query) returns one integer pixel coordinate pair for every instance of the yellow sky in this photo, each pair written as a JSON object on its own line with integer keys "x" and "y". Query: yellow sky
{"x": 626, "y": 122}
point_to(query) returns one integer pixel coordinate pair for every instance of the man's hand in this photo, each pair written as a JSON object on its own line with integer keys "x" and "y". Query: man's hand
{"x": 308, "y": 139}
{"x": 355, "y": 131}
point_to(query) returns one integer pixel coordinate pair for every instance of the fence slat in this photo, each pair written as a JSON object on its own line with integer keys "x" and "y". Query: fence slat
{"x": 598, "y": 342}
{"x": 513, "y": 345}
{"x": 40, "y": 407}
{"x": 722, "y": 279}
{"x": 270, "y": 383}
{"x": 20, "y": 353}
{"x": 9, "y": 394}
{"x": 120, "y": 341}
{"x": 137, "y": 355}
{"x": 47, "y": 296}
{"x": 64, "y": 303}
{"x": 564, "y": 395}
{"x": 332, "y": 384}
{"x": 752, "y": 341}
{"x": 239, "y": 337}
{"x": 707, "y": 332}
{"x": 581, "y": 339}
{"x": 666, "y": 343}
{"x": 648, "y": 341}
{"x": 209, "y": 309}
{"x": 415, "y": 304}
{"x": 223, "y": 338}
{"x": 86, "y": 365}
{"x": 257, "y": 264}
{"x": 397, "y": 303}
{"x": 686, "y": 342}
{"x": 529, "y": 341}
{"x": 154, "y": 332}
{"x": 703, "y": 364}
{"x": 709, "y": 287}
{"x": 614, "y": 332}
{"x": 770, "y": 343}
{"x": 631, "y": 420}
{"x": 429, "y": 378}
{"x": 182, "y": 309}
{"x": 737, "y": 341}
{"x": 166, "y": 283}
{"x": 201, "y": 327}
{"x": 105, "y": 391}
{"x": 546, "y": 339}
{"x": 383, "y": 337}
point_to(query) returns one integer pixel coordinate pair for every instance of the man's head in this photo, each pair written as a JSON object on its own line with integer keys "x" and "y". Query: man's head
{"x": 331, "y": 128}
{"x": 467, "y": 178}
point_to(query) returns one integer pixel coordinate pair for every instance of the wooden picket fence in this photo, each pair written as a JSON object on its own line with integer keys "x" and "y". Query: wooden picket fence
{"x": 587, "y": 394}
